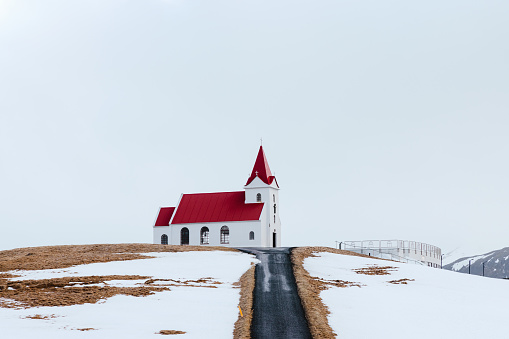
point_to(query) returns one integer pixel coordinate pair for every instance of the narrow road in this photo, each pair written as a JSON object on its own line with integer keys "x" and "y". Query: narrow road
{"x": 277, "y": 310}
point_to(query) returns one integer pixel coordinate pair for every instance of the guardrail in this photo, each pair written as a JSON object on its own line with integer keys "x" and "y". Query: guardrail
{"x": 379, "y": 252}
{"x": 401, "y": 246}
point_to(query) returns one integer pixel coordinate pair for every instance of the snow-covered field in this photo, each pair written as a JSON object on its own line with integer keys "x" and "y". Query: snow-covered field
{"x": 202, "y": 312}
{"x": 437, "y": 304}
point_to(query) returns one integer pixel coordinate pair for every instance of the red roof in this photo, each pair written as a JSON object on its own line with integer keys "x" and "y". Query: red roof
{"x": 216, "y": 207}
{"x": 164, "y": 217}
{"x": 261, "y": 169}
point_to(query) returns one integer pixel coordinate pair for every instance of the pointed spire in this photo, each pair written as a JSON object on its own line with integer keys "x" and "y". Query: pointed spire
{"x": 261, "y": 169}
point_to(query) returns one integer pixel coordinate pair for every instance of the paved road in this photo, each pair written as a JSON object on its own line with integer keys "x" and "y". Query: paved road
{"x": 277, "y": 310}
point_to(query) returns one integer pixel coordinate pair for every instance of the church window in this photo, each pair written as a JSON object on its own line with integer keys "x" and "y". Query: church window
{"x": 274, "y": 208}
{"x": 204, "y": 235}
{"x": 164, "y": 239}
{"x": 274, "y": 197}
{"x": 225, "y": 235}
{"x": 274, "y": 218}
{"x": 259, "y": 197}
{"x": 251, "y": 235}
{"x": 184, "y": 236}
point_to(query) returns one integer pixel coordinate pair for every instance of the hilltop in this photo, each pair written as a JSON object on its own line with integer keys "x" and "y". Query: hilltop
{"x": 142, "y": 291}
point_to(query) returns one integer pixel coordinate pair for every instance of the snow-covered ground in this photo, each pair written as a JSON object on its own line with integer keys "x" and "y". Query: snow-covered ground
{"x": 202, "y": 312}
{"x": 437, "y": 304}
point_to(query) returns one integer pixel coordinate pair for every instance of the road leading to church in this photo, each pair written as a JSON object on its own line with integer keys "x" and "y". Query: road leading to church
{"x": 277, "y": 310}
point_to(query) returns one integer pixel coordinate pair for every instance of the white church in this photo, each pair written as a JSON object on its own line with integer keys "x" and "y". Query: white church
{"x": 248, "y": 218}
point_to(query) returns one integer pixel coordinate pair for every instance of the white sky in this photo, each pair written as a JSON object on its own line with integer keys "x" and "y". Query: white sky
{"x": 381, "y": 119}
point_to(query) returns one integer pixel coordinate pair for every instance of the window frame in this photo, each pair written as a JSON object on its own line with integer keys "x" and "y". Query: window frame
{"x": 204, "y": 236}
{"x": 224, "y": 236}
{"x": 164, "y": 239}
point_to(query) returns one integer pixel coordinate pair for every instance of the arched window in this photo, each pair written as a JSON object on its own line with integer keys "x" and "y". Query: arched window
{"x": 259, "y": 197}
{"x": 164, "y": 239}
{"x": 204, "y": 235}
{"x": 274, "y": 208}
{"x": 225, "y": 235}
{"x": 274, "y": 197}
{"x": 251, "y": 235}
{"x": 184, "y": 236}
{"x": 274, "y": 218}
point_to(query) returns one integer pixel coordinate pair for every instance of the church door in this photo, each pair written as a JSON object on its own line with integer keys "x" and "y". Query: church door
{"x": 184, "y": 236}
{"x": 274, "y": 242}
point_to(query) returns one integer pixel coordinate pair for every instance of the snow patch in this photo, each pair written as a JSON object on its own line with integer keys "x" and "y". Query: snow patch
{"x": 436, "y": 304}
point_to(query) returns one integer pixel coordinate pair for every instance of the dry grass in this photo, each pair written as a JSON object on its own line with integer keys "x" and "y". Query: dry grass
{"x": 375, "y": 270}
{"x": 324, "y": 284}
{"x": 40, "y": 316}
{"x": 203, "y": 282}
{"x": 85, "y": 329}
{"x": 64, "y": 291}
{"x": 170, "y": 332}
{"x": 52, "y": 257}
{"x": 309, "y": 290}
{"x": 400, "y": 281}
{"x": 242, "y": 328}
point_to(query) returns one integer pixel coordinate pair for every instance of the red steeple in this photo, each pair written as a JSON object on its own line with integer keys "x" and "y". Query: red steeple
{"x": 261, "y": 169}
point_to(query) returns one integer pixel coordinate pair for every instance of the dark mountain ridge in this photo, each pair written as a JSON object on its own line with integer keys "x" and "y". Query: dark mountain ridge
{"x": 496, "y": 264}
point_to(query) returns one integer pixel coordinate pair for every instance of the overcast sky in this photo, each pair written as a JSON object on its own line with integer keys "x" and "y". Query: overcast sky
{"x": 381, "y": 119}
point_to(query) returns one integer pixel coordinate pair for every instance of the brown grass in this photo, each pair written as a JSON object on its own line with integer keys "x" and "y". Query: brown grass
{"x": 375, "y": 270}
{"x": 170, "y": 332}
{"x": 400, "y": 281}
{"x": 242, "y": 328}
{"x": 309, "y": 290}
{"x": 40, "y": 316}
{"x": 203, "y": 282}
{"x": 324, "y": 284}
{"x": 85, "y": 329}
{"x": 63, "y": 291}
{"x": 52, "y": 257}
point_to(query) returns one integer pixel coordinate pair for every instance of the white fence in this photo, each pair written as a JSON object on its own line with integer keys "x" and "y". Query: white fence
{"x": 399, "y": 250}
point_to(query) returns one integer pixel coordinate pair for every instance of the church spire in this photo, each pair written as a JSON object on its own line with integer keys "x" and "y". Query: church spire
{"x": 261, "y": 169}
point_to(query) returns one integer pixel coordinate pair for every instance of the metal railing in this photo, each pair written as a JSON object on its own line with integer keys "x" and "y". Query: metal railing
{"x": 379, "y": 252}
{"x": 402, "y": 246}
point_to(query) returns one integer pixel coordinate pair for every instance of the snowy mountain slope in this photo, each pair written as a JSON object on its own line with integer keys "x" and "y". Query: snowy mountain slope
{"x": 496, "y": 264}
{"x": 201, "y": 300}
{"x": 407, "y": 301}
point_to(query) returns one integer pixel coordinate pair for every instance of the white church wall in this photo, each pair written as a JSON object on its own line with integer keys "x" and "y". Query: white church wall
{"x": 264, "y": 228}
{"x": 275, "y": 226}
{"x": 257, "y": 186}
{"x": 238, "y": 237}
{"x": 159, "y": 231}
